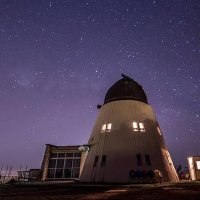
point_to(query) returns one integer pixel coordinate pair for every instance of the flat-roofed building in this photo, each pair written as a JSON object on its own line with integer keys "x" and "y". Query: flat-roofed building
{"x": 62, "y": 162}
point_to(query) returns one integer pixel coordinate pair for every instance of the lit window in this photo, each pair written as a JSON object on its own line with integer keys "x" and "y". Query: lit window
{"x": 141, "y": 126}
{"x": 103, "y": 129}
{"x": 106, "y": 127}
{"x": 109, "y": 126}
{"x": 198, "y": 164}
{"x": 159, "y": 131}
{"x": 135, "y": 126}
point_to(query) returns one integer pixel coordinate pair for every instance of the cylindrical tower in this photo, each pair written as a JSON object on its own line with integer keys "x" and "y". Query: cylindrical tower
{"x": 126, "y": 143}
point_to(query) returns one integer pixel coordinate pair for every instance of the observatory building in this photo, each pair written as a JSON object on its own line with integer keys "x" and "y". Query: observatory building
{"x": 126, "y": 141}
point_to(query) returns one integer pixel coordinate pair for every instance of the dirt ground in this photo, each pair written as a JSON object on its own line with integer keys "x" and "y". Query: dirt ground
{"x": 67, "y": 191}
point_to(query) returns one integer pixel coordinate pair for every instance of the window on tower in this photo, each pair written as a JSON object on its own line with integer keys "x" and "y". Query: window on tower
{"x": 135, "y": 126}
{"x": 96, "y": 161}
{"x": 106, "y": 127}
{"x": 103, "y": 129}
{"x": 103, "y": 160}
{"x": 141, "y": 126}
{"x": 109, "y": 126}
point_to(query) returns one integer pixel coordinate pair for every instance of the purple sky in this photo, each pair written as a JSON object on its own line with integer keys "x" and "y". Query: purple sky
{"x": 58, "y": 58}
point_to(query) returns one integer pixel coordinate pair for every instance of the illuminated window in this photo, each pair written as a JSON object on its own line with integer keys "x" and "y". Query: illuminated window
{"x": 141, "y": 126}
{"x": 109, "y": 126}
{"x": 103, "y": 129}
{"x": 198, "y": 164}
{"x": 159, "y": 131}
{"x": 106, "y": 127}
{"x": 135, "y": 126}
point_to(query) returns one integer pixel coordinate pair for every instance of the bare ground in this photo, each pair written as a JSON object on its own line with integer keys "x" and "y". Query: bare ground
{"x": 67, "y": 191}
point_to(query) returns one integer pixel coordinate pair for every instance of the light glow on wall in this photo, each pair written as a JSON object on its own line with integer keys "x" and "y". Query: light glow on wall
{"x": 141, "y": 125}
{"x": 109, "y": 126}
{"x": 198, "y": 164}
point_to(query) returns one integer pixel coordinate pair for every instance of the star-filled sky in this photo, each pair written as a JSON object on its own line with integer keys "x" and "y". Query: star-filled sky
{"x": 59, "y": 57}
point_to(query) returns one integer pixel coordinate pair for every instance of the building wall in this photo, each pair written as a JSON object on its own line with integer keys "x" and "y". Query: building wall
{"x": 122, "y": 145}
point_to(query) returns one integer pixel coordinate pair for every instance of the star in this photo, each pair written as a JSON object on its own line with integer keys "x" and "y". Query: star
{"x": 59, "y": 58}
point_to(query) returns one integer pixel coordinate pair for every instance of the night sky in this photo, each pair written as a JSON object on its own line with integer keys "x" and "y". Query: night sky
{"x": 58, "y": 58}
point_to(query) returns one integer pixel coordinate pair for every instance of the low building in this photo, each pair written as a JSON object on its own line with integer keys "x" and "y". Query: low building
{"x": 194, "y": 167}
{"x": 63, "y": 162}
{"x": 29, "y": 175}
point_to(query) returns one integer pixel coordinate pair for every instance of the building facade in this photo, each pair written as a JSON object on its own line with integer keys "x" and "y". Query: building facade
{"x": 126, "y": 142}
{"x": 62, "y": 162}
